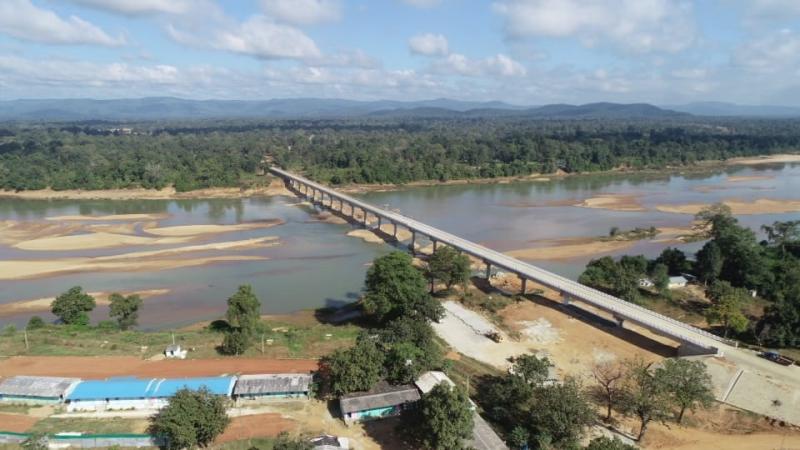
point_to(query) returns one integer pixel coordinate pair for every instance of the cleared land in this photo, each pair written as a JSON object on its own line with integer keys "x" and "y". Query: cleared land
{"x": 16, "y": 423}
{"x": 256, "y": 426}
{"x": 115, "y": 366}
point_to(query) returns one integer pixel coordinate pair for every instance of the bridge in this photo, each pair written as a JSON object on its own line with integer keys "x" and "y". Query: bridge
{"x": 692, "y": 340}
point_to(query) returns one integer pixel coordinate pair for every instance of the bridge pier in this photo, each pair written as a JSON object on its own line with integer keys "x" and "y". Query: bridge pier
{"x": 488, "y": 269}
{"x": 620, "y": 321}
{"x": 394, "y": 231}
{"x": 566, "y": 299}
{"x": 413, "y": 245}
{"x": 434, "y": 244}
{"x": 524, "y": 285}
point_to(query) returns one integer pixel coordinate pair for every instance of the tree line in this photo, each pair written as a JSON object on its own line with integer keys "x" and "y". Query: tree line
{"x": 733, "y": 266}
{"x": 202, "y": 154}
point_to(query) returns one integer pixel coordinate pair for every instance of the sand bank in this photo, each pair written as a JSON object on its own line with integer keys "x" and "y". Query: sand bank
{"x": 108, "y": 218}
{"x": 771, "y": 159}
{"x": 760, "y": 206}
{"x": 569, "y": 248}
{"x": 276, "y": 187}
{"x": 614, "y": 202}
{"x": 12, "y": 231}
{"x": 386, "y": 231}
{"x": 196, "y": 230}
{"x": 43, "y": 304}
{"x": 134, "y": 261}
{"x": 329, "y": 217}
{"x": 745, "y": 178}
{"x": 93, "y": 241}
{"x": 366, "y": 236}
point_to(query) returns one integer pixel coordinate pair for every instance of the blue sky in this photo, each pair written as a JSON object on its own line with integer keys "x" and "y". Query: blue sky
{"x": 520, "y": 51}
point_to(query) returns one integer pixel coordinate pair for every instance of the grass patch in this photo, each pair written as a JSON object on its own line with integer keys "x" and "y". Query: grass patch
{"x": 246, "y": 444}
{"x": 306, "y": 341}
{"x": 90, "y": 426}
{"x": 16, "y": 408}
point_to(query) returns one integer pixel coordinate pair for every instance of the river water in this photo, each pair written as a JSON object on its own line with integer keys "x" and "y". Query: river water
{"x": 316, "y": 264}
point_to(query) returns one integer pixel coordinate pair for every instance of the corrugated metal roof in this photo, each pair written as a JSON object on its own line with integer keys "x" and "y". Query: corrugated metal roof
{"x": 269, "y": 383}
{"x": 428, "y": 380}
{"x": 484, "y": 437}
{"x": 25, "y": 386}
{"x": 128, "y": 388}
{"x": 381, "y": 396}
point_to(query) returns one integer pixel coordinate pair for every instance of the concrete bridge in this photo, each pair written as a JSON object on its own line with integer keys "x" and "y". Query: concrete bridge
{"x": 692, "y": 340}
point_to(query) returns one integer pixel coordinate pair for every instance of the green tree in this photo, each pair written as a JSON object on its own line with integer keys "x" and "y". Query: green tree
{"x": 660, "y": 277}
{"x": 73, "y": 306}
{"x": 727, "y": 303}
{"x": 675, "y": 260}
{"x": 709, "y": 263}
{"x": 34, "y": 323}
{"x": 404, "y": 363}
{"x": 560, "y": 412}
{"x": 191, "y": 419}
{"x": 125, "y": 309}
{"x": 606, "y": 443}
{"x": 355, "y": 369}
{"x": 645, "y": 395}
{"x": 519, "y": 437}
{"x": 445, "y": 418}
{"x": 449, "y": 266}
{"x": 782, "y": 234}
{"x": 620, "y": 279}
{"x": 687, "y": 383}
{"x": 396, "y": 288}
{"x": 532, "y": 369}
{"x": 235, "y": 342}
{"x": 244, "y": 310}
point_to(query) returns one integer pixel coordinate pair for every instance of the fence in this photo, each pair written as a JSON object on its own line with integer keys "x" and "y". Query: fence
{"x": 88, "y": 440}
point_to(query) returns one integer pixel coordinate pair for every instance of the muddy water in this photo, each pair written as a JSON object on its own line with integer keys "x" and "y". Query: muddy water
{"x": 316, "y": 264}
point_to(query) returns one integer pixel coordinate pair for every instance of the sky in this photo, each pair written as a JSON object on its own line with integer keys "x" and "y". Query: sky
{"x": 527, "y": 52}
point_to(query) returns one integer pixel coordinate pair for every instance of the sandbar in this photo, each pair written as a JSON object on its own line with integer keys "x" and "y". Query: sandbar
{"x": 771, "y": 159}
{"x": 195, "y": 230}
{"x": 614, "y": 202}
{"x": 745, "y": 178}
{"x": 43, "y": 304}
{"x": 760, "y": 206}
{"x": 569, "y": 248}
{"x": 108, "y": 218}
{"x": 93, "y": 241}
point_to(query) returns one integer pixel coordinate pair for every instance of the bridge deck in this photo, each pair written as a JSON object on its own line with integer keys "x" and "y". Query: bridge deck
{"x": 659, "y": 323}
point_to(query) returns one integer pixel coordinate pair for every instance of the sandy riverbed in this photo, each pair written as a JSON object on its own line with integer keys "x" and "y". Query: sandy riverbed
{"x": 771, "y": 159}
{"x": 43, "y": 304}
{"x": 746, "y": 178}
{"x": 760, "y": 206}
{"x": 614, "y": 202}
{"x": 93, "y": 241}
{"x": 196, "y": 230}
{"x": 134, "y": 261}
{"x": 556, "y": 249}
{"x": 108, "y": 218}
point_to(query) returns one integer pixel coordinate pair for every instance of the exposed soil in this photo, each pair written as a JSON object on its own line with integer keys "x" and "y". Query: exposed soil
{"x": 16, "y": 423}
{"x": 115, "y": 366}
{"x": 256, "y": 426}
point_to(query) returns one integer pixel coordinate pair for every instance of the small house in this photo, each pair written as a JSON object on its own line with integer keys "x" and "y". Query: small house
{"x": 272, "y": 386}
{"x": 328, "y": 442}
{"x": 142, "y": 394}
{"x": 383, "y": 400}
{"x": 24, "y": 389}
{"x": 677, "y": 282}
{"x": 646, "y": 283}
{"x": 175, "y": 351}
{"x": 428, "y": 380}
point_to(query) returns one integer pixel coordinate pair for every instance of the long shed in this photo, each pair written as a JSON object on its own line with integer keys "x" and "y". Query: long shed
{"x": 266, "y": 386}
{"x": 383, "y": 400}
{"x": 26, "y": 389}
{"x": 135, "y": 393}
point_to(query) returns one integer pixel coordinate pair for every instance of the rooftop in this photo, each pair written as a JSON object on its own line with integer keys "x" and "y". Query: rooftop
{"x": 428, "y": 380}
{"x": 382, "y": 395}
{"x": 115, "y": 388}
{"x": 269, "y": 383}
{"x": 25, "y": 386}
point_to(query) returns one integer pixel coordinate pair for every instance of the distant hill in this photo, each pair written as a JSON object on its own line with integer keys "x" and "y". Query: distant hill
{"x": 557, "y": 111}
{"x": 152, "y": 108}
{"x": 722, "y": 109}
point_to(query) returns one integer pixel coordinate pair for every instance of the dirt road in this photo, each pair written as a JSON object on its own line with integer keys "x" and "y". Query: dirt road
{"x": 116, "y": 366}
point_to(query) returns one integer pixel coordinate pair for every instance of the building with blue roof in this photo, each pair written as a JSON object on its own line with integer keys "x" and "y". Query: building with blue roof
{"x": 136, "y": 393}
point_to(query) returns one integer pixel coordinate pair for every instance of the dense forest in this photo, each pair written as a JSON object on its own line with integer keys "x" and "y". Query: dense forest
{"x": 200, "y": 154}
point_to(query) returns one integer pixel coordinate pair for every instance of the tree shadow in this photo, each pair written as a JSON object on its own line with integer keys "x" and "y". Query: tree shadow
{"x": 389, "y": 433}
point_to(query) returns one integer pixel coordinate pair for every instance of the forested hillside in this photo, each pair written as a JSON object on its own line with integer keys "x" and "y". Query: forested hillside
{"x": 192, "y": 155}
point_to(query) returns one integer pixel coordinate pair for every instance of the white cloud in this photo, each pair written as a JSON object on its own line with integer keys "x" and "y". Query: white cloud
{"x": 428, "y": 44}
{"x": 774, "y": 8}
{"x": 772, "y": 53}
{"x": 138, "y": 7}
{"x": 302, "y": 12}
{"x": 422, "y": 3}
{"x": 636, "y": 25}
{"x": 24, "y": 20}
{"x": 498, "y": 65}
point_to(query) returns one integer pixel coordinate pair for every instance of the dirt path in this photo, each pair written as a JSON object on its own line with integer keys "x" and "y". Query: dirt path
{"x": 115, "y": 366}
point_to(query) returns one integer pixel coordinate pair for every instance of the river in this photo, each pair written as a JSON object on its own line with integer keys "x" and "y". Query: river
{"x": 316, "y": 264}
